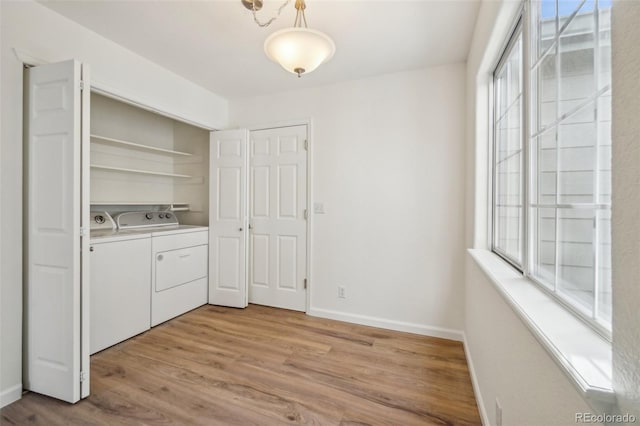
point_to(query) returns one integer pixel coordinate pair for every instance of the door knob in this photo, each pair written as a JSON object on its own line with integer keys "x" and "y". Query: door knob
{"x": 91, "y": 248}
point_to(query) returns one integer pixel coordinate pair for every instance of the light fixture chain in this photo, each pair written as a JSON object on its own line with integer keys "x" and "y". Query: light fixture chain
{"x": 300, "y": 16}
{"x": 267, "y": 23}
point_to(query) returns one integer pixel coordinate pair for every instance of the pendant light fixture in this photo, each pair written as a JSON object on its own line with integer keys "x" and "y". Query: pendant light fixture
{"x": 298, "y": 49}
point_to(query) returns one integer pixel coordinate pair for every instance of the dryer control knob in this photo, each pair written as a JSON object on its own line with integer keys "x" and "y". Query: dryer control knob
{"x": 149, "y": 216}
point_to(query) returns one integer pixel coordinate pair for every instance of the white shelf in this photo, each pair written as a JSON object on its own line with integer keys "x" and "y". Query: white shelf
{"x": 142, "y": 172}
{"x": 134, "y": 203}
{"x": 128, "y": 144}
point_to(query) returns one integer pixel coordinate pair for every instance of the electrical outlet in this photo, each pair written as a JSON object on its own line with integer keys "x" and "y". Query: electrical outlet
{"x": 498, "y": 413}
{"x": 341, "y": 294}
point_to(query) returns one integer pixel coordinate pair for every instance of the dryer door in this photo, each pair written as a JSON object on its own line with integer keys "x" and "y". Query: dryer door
{"x": 177, "y": 267}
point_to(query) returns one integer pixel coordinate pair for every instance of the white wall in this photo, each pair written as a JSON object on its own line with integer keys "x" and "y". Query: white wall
{"x": 626, "y": 202}
{"x": 48, "y": 36}
{"x": 388, "y": 165}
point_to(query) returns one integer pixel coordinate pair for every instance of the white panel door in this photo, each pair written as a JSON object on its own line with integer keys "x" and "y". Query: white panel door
{"x": 278, "y": 199}
{"x": 227, "y": 233}
{"x": 56, "y": 257}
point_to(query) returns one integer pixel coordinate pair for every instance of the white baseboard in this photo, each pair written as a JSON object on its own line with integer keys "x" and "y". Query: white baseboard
{"x": 474, "y": 382}
{"x": 425, "y": 330}
{"x": 10, "y": 395}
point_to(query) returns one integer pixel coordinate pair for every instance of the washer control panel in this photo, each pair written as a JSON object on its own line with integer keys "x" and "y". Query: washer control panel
{"x": 145, "y": 219}
{"x": 101, "y": 220}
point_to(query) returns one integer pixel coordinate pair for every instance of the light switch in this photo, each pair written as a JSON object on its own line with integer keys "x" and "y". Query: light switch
{"x": 318, "y": 208}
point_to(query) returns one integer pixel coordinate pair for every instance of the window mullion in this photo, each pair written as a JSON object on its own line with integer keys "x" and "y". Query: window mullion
{"x": 596, "y": 155}
{"x": 494, "y": 160}
{"x": 525, "y": 64}
{"x": 557, "y": 145}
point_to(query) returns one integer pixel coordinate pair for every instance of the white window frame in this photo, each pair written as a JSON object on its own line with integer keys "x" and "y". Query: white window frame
{"x": 517, "y": 30}
{"x": 522, "y": 25}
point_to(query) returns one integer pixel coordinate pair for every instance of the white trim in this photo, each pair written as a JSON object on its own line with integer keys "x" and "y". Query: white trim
{"x": 28, "y": 59}
{"x": 310, "y": 145}
{"x": 552, "y": 325}
{"x": 474, "y": 382}
{"x": 110, "y": 92}
{"x": 422, "y": 329}
{"x": 282, "y": 123}
{"x": 10, "y": 395}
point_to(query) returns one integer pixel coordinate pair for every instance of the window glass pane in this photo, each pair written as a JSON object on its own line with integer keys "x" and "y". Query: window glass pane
{"x": 576, "y": 50}
{"x": 576, "y": 256}
{"x": 604, "y": 266}
{"x": 604, "y": 148}
{"x": 604, "y": 44}
{"x": 508, "y": 159}
{"x": 508, "y": 236}
{"x": 544, "y": 254}
{"x": 576, "y": 157}
{"x": 546, "y": 27}
{"x": 544, "y": 166}
{"x": 546, "y": 112}
{"x": 570, "y": 153}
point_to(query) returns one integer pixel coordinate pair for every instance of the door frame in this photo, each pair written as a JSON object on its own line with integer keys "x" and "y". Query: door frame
{"x": 291, "y": 123}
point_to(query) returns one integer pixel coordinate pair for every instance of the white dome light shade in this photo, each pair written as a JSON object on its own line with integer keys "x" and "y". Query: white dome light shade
{"x": 299, "y": 50}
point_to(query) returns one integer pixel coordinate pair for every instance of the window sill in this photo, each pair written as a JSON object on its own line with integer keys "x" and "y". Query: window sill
{"x": 583, "y": 355}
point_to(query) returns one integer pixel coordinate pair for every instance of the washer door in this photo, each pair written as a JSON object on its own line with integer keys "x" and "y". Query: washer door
{"x": 177, "y": 267}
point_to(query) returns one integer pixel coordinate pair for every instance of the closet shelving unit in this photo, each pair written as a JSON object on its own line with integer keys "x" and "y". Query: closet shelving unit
{"x": 140, "y": 147}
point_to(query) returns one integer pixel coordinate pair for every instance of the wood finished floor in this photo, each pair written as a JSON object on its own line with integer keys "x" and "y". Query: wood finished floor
{"x": 266, "y": 366}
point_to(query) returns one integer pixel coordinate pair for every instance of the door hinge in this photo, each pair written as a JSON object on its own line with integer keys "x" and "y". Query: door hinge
{"x": 81, "y": 85}
{"x": 306, "y": 214}
{"x": 305, "y": 283}
{"x": 83, "y": 376}
{"x": 83, "y": 231}
{"x": 306, "y": 144}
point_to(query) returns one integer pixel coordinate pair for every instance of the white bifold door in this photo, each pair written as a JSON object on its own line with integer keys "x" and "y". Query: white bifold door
{"x": 258, "y": 218}
{"x": 228, "y": 218}
{"x": 56, "y": 249}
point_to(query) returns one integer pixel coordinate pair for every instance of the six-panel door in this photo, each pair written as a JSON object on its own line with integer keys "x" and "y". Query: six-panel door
{"x": 227, "y": 218}
{"x": 277, "y": 203}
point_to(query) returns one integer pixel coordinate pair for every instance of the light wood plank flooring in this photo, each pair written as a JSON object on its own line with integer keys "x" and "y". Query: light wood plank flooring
{"x": 266, "y": 366}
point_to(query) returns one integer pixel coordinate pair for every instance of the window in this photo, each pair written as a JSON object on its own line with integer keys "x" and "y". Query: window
{"x": 508, "y": 210}
{"x": 552, "y": 153}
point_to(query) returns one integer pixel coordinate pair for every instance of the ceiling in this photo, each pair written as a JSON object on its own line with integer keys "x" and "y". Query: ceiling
{"x": 217, "y": 45}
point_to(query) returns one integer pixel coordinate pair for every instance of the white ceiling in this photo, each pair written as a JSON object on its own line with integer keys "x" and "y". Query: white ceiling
{"x": 217, "y": 45}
